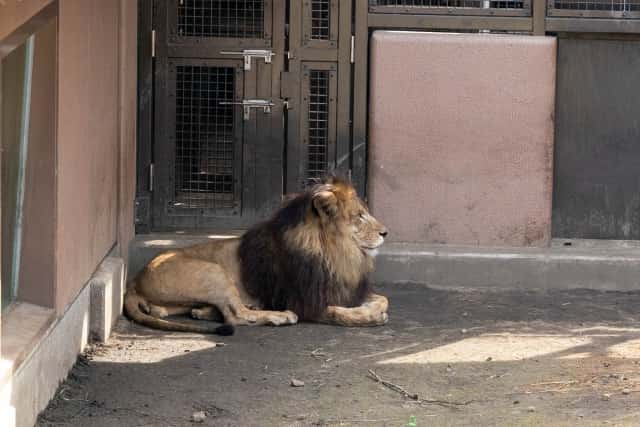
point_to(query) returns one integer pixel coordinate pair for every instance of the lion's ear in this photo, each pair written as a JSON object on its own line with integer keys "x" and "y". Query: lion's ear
{"x": 326, "y": 203}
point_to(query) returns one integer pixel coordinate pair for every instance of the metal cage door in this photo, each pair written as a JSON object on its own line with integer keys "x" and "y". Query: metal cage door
{"x": 218, "y": 147}
{"x": 318, "y": 90}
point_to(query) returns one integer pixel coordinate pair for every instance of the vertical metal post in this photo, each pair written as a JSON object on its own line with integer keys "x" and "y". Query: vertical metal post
{"x": 22, "y": 159}
{"x": 538, "y": 10}
{"x": 1, "y": 119}
{"x": 360, "y": 96}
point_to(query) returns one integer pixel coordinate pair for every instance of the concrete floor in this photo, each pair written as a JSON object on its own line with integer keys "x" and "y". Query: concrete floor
{"x": 508, "y": 358}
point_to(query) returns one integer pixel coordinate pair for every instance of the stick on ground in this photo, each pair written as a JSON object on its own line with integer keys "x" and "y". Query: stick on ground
{"x": 414, "y": 396}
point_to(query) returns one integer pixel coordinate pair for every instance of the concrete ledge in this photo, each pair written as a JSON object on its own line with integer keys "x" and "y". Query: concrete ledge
{"x": 107, "y": 292}
{"x": 604, "y": 265}
{"x": 35, "y": 380}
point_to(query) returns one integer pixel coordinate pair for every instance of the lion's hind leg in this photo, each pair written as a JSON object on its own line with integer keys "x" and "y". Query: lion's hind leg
{"x": 207, "y": 313}
{"x": 162, "y": 311}
{"x": 237, "y": 313}
{"x": 213, "y": 286}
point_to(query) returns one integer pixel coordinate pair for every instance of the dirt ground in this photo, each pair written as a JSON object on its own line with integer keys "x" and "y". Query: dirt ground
{"x": 449, "y": 358}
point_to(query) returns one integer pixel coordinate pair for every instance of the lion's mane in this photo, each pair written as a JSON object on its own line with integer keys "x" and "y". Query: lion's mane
{"x": 294, "y": 261}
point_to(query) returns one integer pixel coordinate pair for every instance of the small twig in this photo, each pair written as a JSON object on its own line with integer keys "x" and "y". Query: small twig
{"x": 414, "y": 396}
{"x": 555, "y": 383}
{"x": 355, "y": 421}
{"x": 318, "y": 354}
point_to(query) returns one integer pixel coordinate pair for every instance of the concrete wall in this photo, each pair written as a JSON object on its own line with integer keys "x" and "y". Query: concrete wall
{"x": 461, "y": 137}
{"x": 88, "y": 131}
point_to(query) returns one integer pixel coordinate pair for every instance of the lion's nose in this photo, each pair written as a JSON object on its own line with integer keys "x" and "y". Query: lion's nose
{"x": 384, "y": 233}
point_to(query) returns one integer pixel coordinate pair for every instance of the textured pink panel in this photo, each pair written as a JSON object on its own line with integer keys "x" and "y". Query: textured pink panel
{"x": 461, "y": 137}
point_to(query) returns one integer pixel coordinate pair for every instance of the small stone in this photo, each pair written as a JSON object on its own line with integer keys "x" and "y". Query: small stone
{"x": 296, "y": 383}
{"x": 626, "y": 391}
{"x": 489, "y": 359}
{"x": 606, "y": 396}
{"x": 465, "y": 314}
{"x": 198, "y": 417}
{"x": 243, "y": 379}
{"x": 463, "y": 331}
{"x": 531, "y": 409}
{"x": 515, "y": 402}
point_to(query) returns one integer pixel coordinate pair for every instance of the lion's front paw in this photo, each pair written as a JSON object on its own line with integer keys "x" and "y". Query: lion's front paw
{"x": 292, "y": 318}
{"x": 383, "y": 318}
{"x": 283, "y": 318}
{"x": 377, "y": 318}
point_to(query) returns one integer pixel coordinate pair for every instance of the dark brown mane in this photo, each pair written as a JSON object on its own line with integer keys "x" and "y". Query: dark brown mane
{"x": 285, "y": 275}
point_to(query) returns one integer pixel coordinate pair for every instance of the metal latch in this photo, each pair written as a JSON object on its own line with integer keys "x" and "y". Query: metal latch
{"x": 248, "y": 104}
{"x": 248, "y": 54}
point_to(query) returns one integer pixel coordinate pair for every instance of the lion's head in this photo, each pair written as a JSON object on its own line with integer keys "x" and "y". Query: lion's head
{"x": 315, "y": 251}
{"x": 340, "y": 211}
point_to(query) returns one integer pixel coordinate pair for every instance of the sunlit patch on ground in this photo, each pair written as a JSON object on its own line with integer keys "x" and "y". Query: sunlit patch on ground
{"x": 494, "y": 347}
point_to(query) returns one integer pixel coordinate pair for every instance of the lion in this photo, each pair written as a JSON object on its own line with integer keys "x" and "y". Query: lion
{"x": 309, "y": 261}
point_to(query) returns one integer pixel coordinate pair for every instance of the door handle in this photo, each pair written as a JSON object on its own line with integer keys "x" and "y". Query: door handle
{"x": 249, "y": 54}
{"x": 248, "y": 104}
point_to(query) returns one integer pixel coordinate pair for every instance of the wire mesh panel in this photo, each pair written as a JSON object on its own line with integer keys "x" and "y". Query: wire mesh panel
{"x": 205, "y": 159}
{"x": 595, "y": 8}
{"x": 461, "y": 7}
{"x": 221, "y": 18}
{"x": 320, "y": 19}
{"x": 318, "y": 145}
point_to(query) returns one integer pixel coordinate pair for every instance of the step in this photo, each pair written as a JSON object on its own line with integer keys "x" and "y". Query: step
{"x": 606, "y": 265}
{"x": 590, "y": 264}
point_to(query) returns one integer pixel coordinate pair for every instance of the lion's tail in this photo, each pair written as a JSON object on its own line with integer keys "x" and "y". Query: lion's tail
{"x": 133, "y": 301}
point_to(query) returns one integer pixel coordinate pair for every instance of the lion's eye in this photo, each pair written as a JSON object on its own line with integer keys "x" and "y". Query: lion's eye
{"x": 361, "y": 216}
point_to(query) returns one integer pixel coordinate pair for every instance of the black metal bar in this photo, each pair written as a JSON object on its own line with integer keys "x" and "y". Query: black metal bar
{"x": 144, "y": 147}
{"x": 524, "y": 9}
{"x": 401, "y": 21}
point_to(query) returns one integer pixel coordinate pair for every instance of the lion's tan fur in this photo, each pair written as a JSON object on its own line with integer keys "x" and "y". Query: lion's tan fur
{"x": 207, "y": 278}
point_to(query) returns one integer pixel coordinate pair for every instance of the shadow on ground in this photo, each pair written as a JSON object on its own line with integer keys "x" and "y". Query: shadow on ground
{"x": 506, "y": 358}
